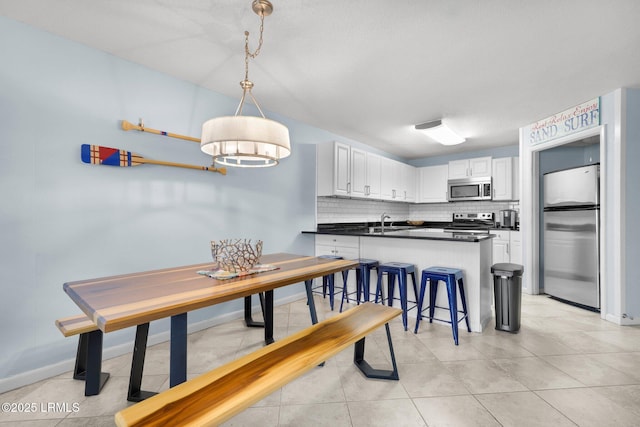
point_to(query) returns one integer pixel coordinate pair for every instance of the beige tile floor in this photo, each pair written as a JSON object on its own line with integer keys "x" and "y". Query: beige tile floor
{"x": 565, "y": 367}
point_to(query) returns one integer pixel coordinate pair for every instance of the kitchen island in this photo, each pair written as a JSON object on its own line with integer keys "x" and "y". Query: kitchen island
{"x": 472, "y": 253}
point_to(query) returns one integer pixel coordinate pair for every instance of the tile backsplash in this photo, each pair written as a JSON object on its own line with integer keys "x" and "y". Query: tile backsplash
{"x": 335, "y": 209}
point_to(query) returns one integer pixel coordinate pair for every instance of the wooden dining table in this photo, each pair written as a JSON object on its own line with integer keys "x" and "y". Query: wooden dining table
{"x": 123, "y": 301}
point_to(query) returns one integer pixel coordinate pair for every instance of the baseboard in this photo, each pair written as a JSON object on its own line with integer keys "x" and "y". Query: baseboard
{"x": 623, "y": 320}
{"x": 59, "y": 368}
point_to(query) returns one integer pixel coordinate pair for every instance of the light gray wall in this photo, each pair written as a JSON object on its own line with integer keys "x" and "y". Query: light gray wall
{"x": 632, "y": 202}
{"x": 62, "y": 220}
{"x": 498, "y": 152}
{"x": 611, "y": 208}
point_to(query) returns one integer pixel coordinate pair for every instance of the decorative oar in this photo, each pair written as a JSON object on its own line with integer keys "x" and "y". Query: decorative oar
{"x": 140, "y": 126}
{"x": 98, "y": 155}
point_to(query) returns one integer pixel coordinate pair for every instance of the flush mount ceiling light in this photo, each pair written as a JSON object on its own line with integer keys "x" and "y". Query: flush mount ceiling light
{"x": 247, "y": 141}
{"x": 440, "y": 133}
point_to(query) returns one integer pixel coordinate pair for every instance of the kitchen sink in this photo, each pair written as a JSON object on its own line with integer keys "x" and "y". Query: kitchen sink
{"x": 374, "y": 230}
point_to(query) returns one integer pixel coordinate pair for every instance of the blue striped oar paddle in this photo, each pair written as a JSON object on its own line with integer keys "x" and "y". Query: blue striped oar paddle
{"x": 130, "y": 126}
{"x": 98, "y": 155}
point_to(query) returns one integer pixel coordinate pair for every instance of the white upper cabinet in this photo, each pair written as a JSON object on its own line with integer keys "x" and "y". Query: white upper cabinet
{"x": 467, "y": 168}
{"x": 408, "y": 183}
{"x": 347, "y": 171}
{"x": 397, "y": 181}
{"x": 432, "y": 184}
{"x": 389, "y": 179}
{"x": 334, "y": 169}
{"x": 458, "y": 169}
{"x": 374, "y": 164}
{"x": 358, "y": 173}
{"x": 506, "y": 179}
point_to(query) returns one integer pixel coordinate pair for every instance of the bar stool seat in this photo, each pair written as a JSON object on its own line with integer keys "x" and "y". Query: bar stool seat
{"x": 450, "y": 276}
{"x": 328, "y": 283}
{"x": 401, "y": 270}
{"x": 363, "y": 279}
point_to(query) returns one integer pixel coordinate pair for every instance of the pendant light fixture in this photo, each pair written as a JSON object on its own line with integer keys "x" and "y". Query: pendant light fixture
{"x": 247, "y": 141}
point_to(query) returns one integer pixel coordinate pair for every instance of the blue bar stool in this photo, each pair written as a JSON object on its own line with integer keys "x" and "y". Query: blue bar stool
{"x": 434, "y": 275}
{"x": 363, "y": 279}
{"x": 328, "y": 282}
{"x": 401, "y": 270}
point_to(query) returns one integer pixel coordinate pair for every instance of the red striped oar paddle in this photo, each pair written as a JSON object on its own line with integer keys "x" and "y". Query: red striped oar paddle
{"x": 98, "y": 155}
{"x": 130, "y": 126}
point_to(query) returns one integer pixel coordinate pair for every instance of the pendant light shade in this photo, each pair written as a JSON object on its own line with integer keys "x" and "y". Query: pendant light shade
{"x": 245, "y": 141}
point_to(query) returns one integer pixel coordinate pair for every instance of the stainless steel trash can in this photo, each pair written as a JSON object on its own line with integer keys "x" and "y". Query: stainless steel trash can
{"x": 507, "y": 290}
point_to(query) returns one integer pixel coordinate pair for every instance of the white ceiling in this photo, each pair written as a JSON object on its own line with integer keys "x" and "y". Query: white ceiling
{"x": 369, "y": 69}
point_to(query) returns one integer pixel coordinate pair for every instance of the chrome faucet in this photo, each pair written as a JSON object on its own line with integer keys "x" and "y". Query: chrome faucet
{"x": 382, "y": 218}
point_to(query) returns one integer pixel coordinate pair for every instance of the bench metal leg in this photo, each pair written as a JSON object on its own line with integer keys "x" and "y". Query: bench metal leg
{"x": 248, "y": 319}
{"x": 136, "y": 394}
{"x": 367, "y": 370}
{"x": 89, "y": 363}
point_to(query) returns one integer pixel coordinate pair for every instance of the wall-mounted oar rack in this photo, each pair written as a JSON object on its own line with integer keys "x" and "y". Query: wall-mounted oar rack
{"x": 140, "y": 127}
{"x": 98, "y": 155}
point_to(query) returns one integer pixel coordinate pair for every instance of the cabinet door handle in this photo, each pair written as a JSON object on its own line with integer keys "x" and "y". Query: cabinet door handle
{"x": 348, "y": 187}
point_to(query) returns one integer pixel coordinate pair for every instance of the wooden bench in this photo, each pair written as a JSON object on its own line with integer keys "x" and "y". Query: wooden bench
{"x": 81, "y": 325}
{"x": 218, "y": 395}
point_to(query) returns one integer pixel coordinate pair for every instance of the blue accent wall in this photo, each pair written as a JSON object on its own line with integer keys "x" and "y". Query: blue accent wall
{"x": 63, "y": 220}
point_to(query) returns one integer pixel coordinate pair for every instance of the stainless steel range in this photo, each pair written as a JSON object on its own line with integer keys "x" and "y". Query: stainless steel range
{"x": 472, "y": 223}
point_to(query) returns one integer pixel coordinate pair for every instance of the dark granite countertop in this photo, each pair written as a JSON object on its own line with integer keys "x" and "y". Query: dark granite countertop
{"x": 398, "y": 230}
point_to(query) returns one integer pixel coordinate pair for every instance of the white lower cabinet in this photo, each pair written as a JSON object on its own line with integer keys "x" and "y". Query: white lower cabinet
{"x": 501, "y": 246}
{"x": 516, "y": 247}
{"x": 507, "y": 246}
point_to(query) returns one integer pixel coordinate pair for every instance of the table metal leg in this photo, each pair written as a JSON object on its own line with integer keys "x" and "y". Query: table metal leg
{"x": 136, "y": 394}
{"x": 178, "y": 355}
{"x": 310, "y": 302}
{"x": 267, "y": 309}
{"x": 312, "y": 305}
{"x": 248, "y": 319}
{"x": 90, "y": 355}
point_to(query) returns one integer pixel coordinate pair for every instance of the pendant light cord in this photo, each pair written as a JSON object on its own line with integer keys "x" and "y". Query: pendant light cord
{"x": 246, "y": 84}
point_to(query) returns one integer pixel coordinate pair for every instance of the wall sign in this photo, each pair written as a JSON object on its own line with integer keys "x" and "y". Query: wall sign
{"x": 576, "y": 119}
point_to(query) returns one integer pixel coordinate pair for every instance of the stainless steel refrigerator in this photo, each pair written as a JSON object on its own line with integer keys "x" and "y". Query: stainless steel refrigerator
{"x": 572, "y": 235}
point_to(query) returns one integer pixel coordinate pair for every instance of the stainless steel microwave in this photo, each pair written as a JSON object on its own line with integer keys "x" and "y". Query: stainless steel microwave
{"x": 465, "y": 189}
